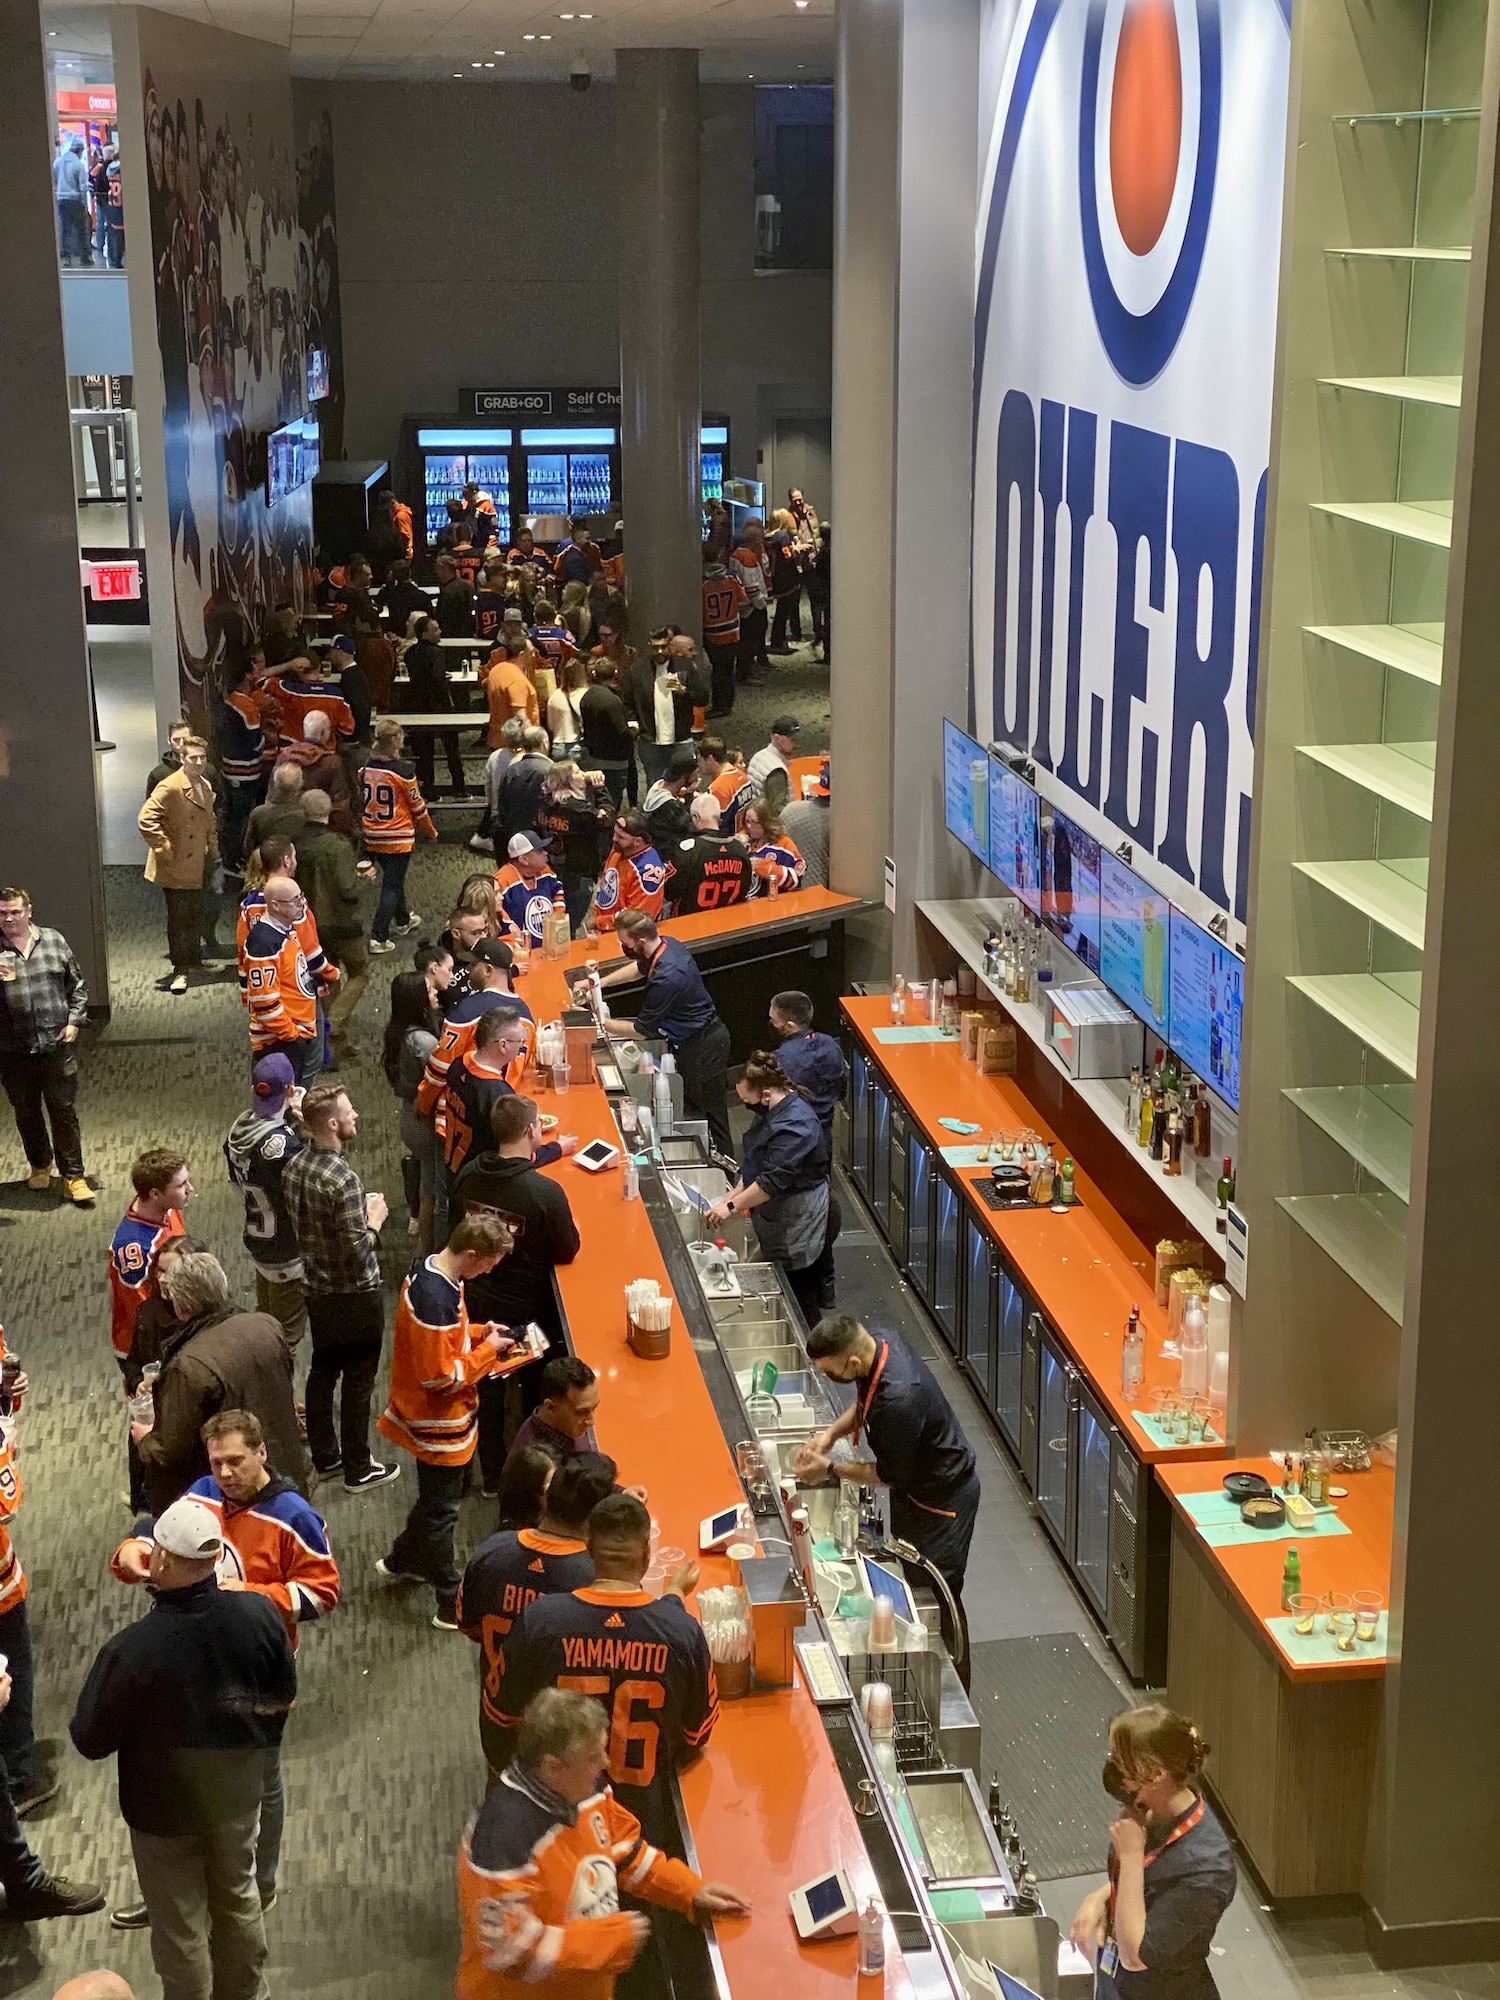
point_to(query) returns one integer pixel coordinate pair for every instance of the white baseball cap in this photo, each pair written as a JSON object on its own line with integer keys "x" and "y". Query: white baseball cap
{"x": 190, "y": 1530}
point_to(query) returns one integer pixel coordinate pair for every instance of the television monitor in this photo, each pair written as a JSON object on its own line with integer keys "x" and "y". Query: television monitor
{"x": 1070, "y": 887}
{"x": 1207, "y": 1003}
{"x": 293, "y": 455}
{"x": 317, "y": 374}
{"x": 966, "y": 773}
{"x": 1135, "y": 942}
{"x": 1015, "y": 834}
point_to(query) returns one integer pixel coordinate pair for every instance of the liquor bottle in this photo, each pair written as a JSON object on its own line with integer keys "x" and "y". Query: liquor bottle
{"x": 1224, "y": 1195}
{"x": 1133, "y": 1360}
{"x": 1156, "y": 1070}
{"x": 1172, "y": 1144}
{"x": 1143, "y": 1130}
{"x": 1171, "y": 1074}
{"x": 1133, "y": 1102}
{"x": 898, "y": 999}
{"x": 1066, "y": 1192}
{"x": 1203, "y": 1124}
{"x": 1158, "y": 1124}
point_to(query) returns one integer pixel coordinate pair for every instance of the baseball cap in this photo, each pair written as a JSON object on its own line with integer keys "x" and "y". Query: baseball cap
{"x": 494, "y": 951}
{"x": 271, "y": 1083}
{"x": 785, "y": 725}
{"x": 525, "y": 843}
{"x": 343, "y": 644}
{"x": 683, "y": 761}
{"x": 511, "y": 611}
{"x": 190, "y": 1530}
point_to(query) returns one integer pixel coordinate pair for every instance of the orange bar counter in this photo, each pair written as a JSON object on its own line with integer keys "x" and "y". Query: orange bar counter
{"x": 766, "y": 1806}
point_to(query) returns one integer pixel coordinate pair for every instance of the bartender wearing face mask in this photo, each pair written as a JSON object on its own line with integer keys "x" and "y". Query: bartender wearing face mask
{"x": 783, "y": 1181}
{"x": 1171, "y": 1872}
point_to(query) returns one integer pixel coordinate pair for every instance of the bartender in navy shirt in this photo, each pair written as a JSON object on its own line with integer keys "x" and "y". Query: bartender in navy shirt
{"x": 678, "y": 1008}
{"x": 815, "y": 1063}
{"x": 904, "y": 1436}
{"x": 1150, "y": 1927}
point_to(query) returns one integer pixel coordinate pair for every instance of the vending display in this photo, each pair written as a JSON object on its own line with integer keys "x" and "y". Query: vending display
{"x": 1135, "y": 942}
{"x": 1207, "y": 1001}
{"x": 588, "y": 482}
{"x": 1015, "y": 834}
{"x": 449, "y": 460}
{"x": 1070, "y": 887}
{"x": 713, "y": 440}
{"x": 547, "y": 482}
{"x": 966, "y": 774}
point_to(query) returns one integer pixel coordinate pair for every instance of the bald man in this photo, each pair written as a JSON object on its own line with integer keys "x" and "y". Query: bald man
{"x": 100, "y": 1985}
{"x": 282, "y": 978}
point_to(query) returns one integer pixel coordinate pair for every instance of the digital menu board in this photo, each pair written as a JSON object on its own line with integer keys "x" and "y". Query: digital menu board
{"x": 1207, "y": 1000}
{"x": 1015, "y": 834}
{"x": 1070, "y": 887}
{"x": 966, "y": 808}
{"x": 293, "y": 455}
{"x": 1135, "y": 942}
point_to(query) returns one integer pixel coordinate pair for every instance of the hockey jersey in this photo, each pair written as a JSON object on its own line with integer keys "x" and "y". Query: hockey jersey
{"x": 297, "y": 699}
{"x": 778, "y": 861}
{"x": 711, "y": 872}
{"x": 734, "y": 789}
{"x": 241, "y": 740}
{"x": 12, "y": 1576}
{"x": 132, "y": 1271}
{"x": 457, "y": 1039}
{"x": 539, "y": 1886}
{"x": 525, "y": 905}
{"x": 505, "y": 1574}
{"x": 393, "y": 807}
{"x": 470, "y": 1089}
{"x": 489, "y": 609}
{"x": 252, "y": 906}
{"x": 723, "y": 595}
{"x": 277, "y": 1547}
{"x": 644, "y": 1658}
{"x": 638, "y": 883}
{"x": 281, "y": 985}
{"x": 256, "y": 1151}
{"x": 436, "y": 1369}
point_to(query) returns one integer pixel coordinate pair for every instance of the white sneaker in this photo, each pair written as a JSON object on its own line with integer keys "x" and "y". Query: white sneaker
{"x": 178, "y": 983}
{"x": 481, "y": 843}
{"x": 413, "y": 922}
{"x": 381, "y": 944}
{"x": 413, "y": 1227}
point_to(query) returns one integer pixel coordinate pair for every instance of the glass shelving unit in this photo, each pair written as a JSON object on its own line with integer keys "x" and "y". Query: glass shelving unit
{"x": 1381, "y": 528}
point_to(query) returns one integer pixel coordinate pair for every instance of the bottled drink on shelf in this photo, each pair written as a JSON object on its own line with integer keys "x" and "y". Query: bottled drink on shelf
{"x": 1158, "y": 1125}
{"x": 1172, "y": 1145}
{"x": 1133, "y": 1102}
{"x": 1223, "y": 1196}
{"x": 1291, "y": 1579}
{"x": 1133, "y": 1360}
{"x": 1066, "y": 1193}
{"x": 1148, "y": 1117}
{"x": 1193, "y": 1341}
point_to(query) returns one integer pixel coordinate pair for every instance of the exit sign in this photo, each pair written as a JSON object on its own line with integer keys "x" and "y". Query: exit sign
{"x": 111, "y": 582}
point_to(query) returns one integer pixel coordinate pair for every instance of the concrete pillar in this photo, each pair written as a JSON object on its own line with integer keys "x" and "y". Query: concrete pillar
{"x": 866, "y": 243}
{"x": 656, "y": 127}
{"x": 49, "y": 821}
{"x": 931, "y": 474}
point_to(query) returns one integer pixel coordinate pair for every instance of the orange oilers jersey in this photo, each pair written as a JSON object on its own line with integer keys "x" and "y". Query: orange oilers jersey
{"x": 539, "y": 1886}
{"x": 777, "y": 861}
{"x": 277, "y": 1547}
{"x": 436, "y": 1369}
{"x": 643, "y": 1658}
{"x": 722, "y": 598}
{"x": 637, "y": 884}
{"x": 734, "y": 790}
{"x": 505, "y": 1574}
{"x": 132, "y": 1271}
{"x": 280, "y": 986}
{"x": 252, "y": 908}
{"x": 12, "y": 1576}
{"x": 456, "y": 1040}
{"x": 297, "y": 699}
{"x": 401, "y": 515}
{"x": 393, "y": 807}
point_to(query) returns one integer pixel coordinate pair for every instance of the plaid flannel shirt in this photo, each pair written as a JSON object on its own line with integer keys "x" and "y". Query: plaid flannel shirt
{"x": 40, "y": 994}
{"x": 327, "y": 1206}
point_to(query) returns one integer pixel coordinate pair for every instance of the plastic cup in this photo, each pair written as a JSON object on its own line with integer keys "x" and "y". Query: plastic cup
{"x": 670, "y": 1559}
{"x": 1368, "y": 1605}
{"x": 1304, "y": 1613}
{"x": 1337, "y": 1604}
{"x": 654, "y": 1582}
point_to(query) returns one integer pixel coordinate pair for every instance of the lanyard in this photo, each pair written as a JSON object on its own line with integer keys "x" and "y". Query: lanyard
{"x": 862, "y": 1403}
{"x": 1186, "y": 1824}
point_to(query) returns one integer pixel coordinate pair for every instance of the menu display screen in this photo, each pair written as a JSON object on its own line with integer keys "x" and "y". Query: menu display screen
{"x": 1070, "y": 887}
{"x": 293, "y": 455}
{"x": 1207, "y": 1001}
{"x": 1135, "y": 942}
{"x": 1015, "y": 834}
{"x": 966, "y": 775}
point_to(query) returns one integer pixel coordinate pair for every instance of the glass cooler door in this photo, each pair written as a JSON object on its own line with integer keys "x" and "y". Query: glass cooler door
{"x": 945, "y": 1262}
{"x": 1091, "y": 1551}
{"x": 919, "y": 1179}
{"x": 880, "y": 1153}
{"x": 588, "y": 482}
{"x": 1010, "y": 1331}
{"x": 981, "y": 1275}
{"x": 859, "y": 1123}
{"x": 1054, "y": 1442}
{"x": 547, "y": 482}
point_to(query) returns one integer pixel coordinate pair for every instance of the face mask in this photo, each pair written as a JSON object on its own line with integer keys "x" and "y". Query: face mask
{"x": 1118, "y": 1785}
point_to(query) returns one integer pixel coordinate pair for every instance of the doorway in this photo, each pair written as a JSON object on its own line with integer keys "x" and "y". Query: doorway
{"x": 801, "y": 454}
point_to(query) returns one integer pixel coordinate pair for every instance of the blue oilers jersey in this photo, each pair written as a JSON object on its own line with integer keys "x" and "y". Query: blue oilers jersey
{"x": 256, "y": 1152}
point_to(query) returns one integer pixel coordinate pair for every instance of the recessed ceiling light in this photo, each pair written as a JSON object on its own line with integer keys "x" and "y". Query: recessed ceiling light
{"x": 489, "y": 65}
{"x": 476, "y": 65}
{"x": 567, "y": 17}
{"x": 528, "y": 38}
{"x": 499, "y": 52}
{"x": 458, "y": 76}
{"x": 585, "y": 17}
{"x": 546, "y": 38}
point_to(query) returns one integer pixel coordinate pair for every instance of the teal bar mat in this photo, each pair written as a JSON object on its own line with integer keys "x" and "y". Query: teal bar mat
{"x": 1316, "y": 1648}
{"x": 968, "y": 1156}
{"x": 927, "y": 1034}
{"x": 1162, "y": 1435}
{"x": 1218, "y": 1521}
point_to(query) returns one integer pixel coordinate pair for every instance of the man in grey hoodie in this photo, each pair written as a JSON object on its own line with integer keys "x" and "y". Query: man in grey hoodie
{"x": 71, "y": 179}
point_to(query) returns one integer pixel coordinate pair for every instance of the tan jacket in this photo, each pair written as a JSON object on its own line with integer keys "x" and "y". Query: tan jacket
{"x": 178, "y": 824}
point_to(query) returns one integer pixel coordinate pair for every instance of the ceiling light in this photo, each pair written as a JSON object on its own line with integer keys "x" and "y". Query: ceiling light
{"x": 458, "y": 76}
{"x": 489, "y": 65}
{"x": 499, "y": 52}
{"x": 528, "y": 38}
{"x": 567, "y": 17}
{"x": 585, "y": 17}
{"x": 476, "y": 65}
{"x": 546, "y": 38}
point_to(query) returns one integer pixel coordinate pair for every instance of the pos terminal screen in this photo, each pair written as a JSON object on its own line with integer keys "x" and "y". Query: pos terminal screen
{"x": 884, "y": 1582}
{"x": 825, "y": 1899}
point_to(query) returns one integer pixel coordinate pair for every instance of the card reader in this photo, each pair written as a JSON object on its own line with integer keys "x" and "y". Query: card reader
{"x": 718, "y": 1531}
{"x": 825, "y": 1907}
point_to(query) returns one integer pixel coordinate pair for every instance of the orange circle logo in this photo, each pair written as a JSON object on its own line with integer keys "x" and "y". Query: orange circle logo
{"x": 1145, "y": 122}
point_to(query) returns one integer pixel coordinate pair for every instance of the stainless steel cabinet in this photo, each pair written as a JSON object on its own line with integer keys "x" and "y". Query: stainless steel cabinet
{"x": 1094, "y": 1441}
{"x": 944, "y": 1262}
{"x": 1057, "y": 1398}
{"x": 1010, "y": 1339}
{"x": 858, "y": 1113}
{"x": 982, "y": 1278}
{"x": 880, "y": 1158}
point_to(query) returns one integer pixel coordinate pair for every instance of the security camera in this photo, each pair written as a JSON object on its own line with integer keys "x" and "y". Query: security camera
{"x": 580, "y": 75}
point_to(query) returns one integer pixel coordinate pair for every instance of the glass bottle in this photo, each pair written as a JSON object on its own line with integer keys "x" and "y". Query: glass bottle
{"x": 1133, "y": 1359}
{"x": 898, "y": 999}
{"x": 1148, "y": 1113}
{"x": 1158, "y": 1124}
{"x": 1172, "y": 1148}
{"x": 1133, "y": 1102}
{"x": 1066, "y": 1193}
{"x": 1203, "y": 1126}
{"x": 1193, "y": 1341}
{"x": 1224, "y": 1195}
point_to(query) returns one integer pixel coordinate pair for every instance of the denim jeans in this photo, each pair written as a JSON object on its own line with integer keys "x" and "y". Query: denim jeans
{"x": 17, "y": 1740}
{"x": 424, "y": 1546}
{"x": 392, "y": 903}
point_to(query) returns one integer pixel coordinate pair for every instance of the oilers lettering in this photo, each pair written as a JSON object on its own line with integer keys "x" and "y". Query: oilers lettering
{"x": 625, "y": 1656}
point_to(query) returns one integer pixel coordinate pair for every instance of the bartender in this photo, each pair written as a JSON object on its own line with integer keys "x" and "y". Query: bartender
{"x": 678, "y": 1008}
{"x": 904, "y": 1436}
{"x": 783, "y": 1182}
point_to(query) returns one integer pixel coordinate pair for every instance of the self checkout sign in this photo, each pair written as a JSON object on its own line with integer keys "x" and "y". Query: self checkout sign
{"x": 522, "y": 403}
{"x": 111, "y": 582}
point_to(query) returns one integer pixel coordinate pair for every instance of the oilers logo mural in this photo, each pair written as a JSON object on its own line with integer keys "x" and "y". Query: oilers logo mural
{"x": 1125, "y": 318}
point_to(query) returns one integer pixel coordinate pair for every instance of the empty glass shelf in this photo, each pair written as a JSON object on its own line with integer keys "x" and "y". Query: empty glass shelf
{"x": 1440, "y": 117}
{"x": 1411, "y": 649}
{"x": 1392, "y": 894}
{"x": 1371, "y": 1009}
{"x": 1365, "y": 1235}
{"x": 1399, "y": 772}
{"x": 1372, "y": 1125}
{"x": 1405, "y": 253}
{"x": 1440, "y": 391}
{"x": 1426, "y": 521}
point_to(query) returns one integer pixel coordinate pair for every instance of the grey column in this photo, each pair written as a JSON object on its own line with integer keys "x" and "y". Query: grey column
{"x": 866, "y": 244}
{"x": 49, "y": 820}
{"x": 661, "y": 406}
